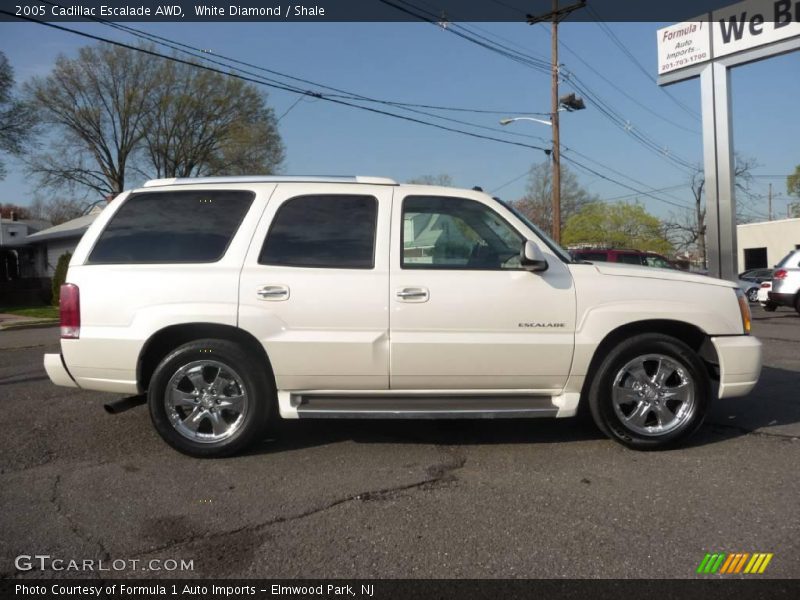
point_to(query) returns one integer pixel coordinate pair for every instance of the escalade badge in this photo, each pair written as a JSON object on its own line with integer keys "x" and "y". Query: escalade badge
{"x": 543, "y": 325}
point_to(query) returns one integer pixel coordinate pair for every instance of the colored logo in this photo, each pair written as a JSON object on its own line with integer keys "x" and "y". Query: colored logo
{"x": 736, "y": 562}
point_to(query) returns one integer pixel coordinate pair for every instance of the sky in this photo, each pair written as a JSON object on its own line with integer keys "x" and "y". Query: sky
{"x": 424, "y": 64}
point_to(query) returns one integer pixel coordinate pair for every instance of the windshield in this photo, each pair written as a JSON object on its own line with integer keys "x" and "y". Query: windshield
{"x": 559, "y": 251}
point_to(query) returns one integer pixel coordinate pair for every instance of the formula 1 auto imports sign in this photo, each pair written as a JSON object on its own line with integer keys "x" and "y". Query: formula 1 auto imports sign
{"x": 726, "y": 31}
{"x": 683, "y": 45}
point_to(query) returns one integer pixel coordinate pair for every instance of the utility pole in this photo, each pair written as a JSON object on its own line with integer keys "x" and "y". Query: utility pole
{"x": 555, "y": 16}
{"x": 769, "y": 212}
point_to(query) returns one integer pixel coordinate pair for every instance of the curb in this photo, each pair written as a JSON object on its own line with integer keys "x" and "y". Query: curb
{"x": 33, "y": 324}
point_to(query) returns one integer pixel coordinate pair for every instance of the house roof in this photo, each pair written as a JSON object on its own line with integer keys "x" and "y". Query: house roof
{"x": 74, "y": 228}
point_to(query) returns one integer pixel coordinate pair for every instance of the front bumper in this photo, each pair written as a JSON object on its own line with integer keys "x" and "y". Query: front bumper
{"x": 739, "y": 364}
{"x": 57, "y": 370}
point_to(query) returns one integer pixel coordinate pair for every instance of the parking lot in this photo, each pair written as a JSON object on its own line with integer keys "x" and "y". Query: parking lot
{"x": 535, "y": 499}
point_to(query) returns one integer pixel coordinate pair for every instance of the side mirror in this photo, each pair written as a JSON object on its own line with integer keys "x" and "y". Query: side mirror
{"x": 532, "y": 259}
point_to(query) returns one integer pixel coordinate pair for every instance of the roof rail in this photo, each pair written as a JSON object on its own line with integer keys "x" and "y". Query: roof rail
{"x": 271, "y": 179}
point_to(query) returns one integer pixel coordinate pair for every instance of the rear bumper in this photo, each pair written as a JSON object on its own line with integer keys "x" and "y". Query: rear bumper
{"x": 739, "y": 364}
{"x": 782, "y": 299}
{"x": 57, "y": 370}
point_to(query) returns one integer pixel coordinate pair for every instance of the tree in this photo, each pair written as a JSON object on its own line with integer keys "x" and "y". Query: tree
{"x": 58, "y": 209}
{"x": 205, "y": 123}
{"x": 96, "y": 105}
{"x": 441, "y": 179}
{"x": 688, "y": 231}
{"x": 8, "y": 210}
{"x": 619, "y": 225}
{"x": 117, "y": 112}
{"x": 537, "y": 204}
{"x": 793, "y": 189}
{"x": 60, "y": 276}
{"x": 17, "y": 120}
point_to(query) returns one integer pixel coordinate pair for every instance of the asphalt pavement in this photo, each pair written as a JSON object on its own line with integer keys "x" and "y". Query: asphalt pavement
{"x": 363, "y": 499}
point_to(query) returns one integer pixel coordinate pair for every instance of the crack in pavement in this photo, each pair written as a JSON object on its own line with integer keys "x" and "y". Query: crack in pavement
{"x": 55, "y": 500}
{"x": 439, "y": 474}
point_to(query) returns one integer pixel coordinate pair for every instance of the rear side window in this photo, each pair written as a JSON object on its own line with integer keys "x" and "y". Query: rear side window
{"x": 172, "y": 227}
{"x": 323, "y": 231}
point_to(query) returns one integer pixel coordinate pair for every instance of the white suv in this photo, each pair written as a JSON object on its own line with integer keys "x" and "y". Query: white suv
{"x": 228, "y": 301}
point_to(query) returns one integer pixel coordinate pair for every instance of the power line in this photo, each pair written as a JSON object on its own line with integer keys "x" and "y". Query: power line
{"x": 613, "y": 37}
{"x": 534, "y": 63}
{"x": 624, "y": 185}
{"x": 626, "y": 94}
{"x": 272, "y": 85}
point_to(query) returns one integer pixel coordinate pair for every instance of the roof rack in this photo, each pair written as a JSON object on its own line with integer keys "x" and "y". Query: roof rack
{"x": 271, "y": 179}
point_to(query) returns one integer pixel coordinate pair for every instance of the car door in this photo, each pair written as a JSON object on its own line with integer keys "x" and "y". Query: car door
{"x": 313, "y": 288}
{"x": 464, "y": 314}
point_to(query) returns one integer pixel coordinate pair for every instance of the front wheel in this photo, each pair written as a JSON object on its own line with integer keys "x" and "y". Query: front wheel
{"x": 650, "y": 392}
{"x": 209, "y": 398}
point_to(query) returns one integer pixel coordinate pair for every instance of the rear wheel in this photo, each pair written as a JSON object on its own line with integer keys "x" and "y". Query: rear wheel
{"x": 752, "y": 295}
{"x": 797, "y": 302}
{"x": 769, "y": 306}
{"x": 650, "y": 392}
{"x": 209, "y": 398}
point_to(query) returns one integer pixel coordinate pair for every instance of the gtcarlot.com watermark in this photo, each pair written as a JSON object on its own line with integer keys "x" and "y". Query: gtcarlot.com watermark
{"x": 46, "y": 562}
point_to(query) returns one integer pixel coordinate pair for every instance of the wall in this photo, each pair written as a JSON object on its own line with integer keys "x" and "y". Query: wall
{"x": 778, "y": 237}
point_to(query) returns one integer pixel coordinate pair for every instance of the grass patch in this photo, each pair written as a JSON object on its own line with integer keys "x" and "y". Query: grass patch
{"x": 38, "y": 312}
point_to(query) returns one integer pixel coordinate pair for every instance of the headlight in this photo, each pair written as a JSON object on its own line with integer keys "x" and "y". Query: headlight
{"x": 744, "y": 309}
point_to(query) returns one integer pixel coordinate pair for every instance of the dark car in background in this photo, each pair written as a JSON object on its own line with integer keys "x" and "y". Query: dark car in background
{"x": 623, "y": 255}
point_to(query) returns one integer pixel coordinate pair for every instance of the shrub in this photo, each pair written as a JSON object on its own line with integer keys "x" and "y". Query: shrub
{"x": 60, "y": 276}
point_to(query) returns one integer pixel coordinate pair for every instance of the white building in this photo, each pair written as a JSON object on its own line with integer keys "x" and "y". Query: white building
{"x": 762, "y": 245}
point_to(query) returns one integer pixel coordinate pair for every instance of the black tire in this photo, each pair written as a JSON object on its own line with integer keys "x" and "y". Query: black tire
{"x": 797, "y": 303}
{"x": 642, "y": 427}
{"x": 752, "y": 295}
{"x": 230, "y": 408}
{"x": 770, "y": 306}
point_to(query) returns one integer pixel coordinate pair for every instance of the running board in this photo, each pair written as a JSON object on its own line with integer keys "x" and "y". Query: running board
{"x": 416, "y": 407}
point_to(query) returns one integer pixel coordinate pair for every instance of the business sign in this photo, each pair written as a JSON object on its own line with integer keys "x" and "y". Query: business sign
{"x": 742, "y": 26}
{"x": 683, "y": 45}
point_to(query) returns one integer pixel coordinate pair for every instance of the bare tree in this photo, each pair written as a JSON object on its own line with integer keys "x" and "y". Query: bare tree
{"x": 688, "y": 231}
{"x": 537, "y": 204}
{"x": 116, "y": 113}
{"x": 97, "y": 103}
{"x": 442, "y": 179}
{"x": 205, "y": 123}
{"x": 17, "y": 119}
{"x": 58, "y": 209}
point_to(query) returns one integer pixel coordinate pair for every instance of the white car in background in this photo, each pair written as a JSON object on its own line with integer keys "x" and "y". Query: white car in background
{"x": 763, "y": 296}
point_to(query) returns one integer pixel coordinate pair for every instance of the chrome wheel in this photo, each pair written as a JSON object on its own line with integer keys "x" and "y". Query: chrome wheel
{"x": 752, "y": 295}
{"x": 206, "y": 401}
{"x": 653, "y": 395}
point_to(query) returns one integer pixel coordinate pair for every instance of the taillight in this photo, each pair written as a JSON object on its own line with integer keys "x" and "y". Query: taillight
{"x": 70, "y": 311}
{"x": 766, "y": 284}
{"x": 780, "y": 274}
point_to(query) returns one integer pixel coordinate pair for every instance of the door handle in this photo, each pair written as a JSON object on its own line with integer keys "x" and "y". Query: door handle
{"x": 273, "y": 292}
{"x": 413, "y": 294}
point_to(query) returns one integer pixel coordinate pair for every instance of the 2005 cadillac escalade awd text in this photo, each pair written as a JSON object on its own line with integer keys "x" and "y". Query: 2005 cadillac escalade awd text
{"x": 230, "y": 301}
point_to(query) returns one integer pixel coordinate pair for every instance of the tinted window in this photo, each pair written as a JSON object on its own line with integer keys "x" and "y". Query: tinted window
{"x": 323, "y": 231}
{"x": 172, "y": 227}
{"x": 630, "y": 259}
{"x": 456, "y": 233}
{"x": 652, "y": 260}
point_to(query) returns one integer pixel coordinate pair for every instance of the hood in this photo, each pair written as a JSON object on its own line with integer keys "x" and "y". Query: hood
{"x": 622, "y": 270}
